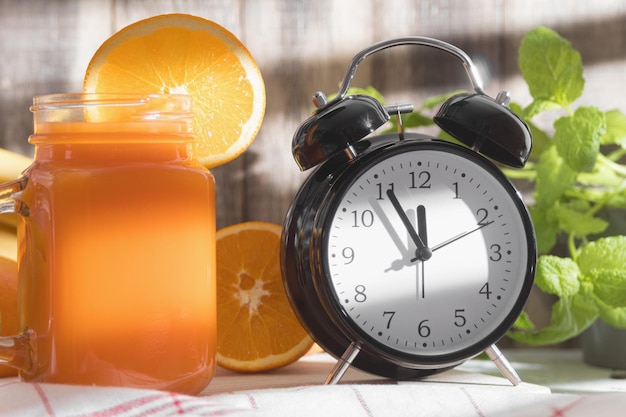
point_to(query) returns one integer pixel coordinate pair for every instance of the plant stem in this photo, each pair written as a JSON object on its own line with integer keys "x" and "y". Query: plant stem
{"x": 618, "y": 168}
{"x": 617, "y": 154}
{"x": 571, "y": 246}
{"x": 528, "y": 173}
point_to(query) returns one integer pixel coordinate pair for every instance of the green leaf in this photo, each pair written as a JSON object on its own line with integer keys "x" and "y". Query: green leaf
{"x": 613, "y": 316}
{"x": 416, "y": 119}
{"x": 541, "y": 141}
{"x": 607, "y": 278}
{"x": 618, "y": 200}
{"x": 551, "y": 67}
{"x": 578, "y": 223}
{"x": 601, "y": 176}
{"x": 546, "y": 228}
{"x": 609, "y": 285}
{"x": 539, "y": 105}
{"x": 554, "y": 176}
{"x": 443, "y": 135}
{"x": 557, "y": 275}
{"x": 570, "y": 316}
{"x": 367, "y": 91}
{"x": 432, "y": 102}
{"x": 577, "y": 137}
{"x": 524, "y": 322}
{"x": 605, "y": 253}
{"x": 615, "y": 128}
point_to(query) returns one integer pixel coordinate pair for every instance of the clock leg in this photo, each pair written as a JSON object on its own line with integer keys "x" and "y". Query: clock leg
{"x": 503, "y": 364}
{"x": 343, "y": 364}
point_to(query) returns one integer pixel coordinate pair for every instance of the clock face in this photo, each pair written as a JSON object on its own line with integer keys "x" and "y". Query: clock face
{"x": 427, "y": 252}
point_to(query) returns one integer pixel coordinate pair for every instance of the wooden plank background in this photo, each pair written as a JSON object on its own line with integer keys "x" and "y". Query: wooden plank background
{"x": 304, "y": 46}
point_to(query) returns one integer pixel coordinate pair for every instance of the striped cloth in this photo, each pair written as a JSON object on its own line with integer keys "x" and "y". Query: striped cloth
{"x": 20, "y": 399}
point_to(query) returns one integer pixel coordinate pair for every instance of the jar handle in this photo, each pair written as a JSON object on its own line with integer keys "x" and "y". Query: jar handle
{"x": 8, "y": 192}
{"x": 14, "y": 350}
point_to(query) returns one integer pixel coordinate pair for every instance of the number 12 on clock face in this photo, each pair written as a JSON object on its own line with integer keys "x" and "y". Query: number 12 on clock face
{"x": 427, "y": 250}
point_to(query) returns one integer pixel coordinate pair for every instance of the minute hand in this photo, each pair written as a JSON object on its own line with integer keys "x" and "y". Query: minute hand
{"x": 422, "y": 253}
{"x": 460, "y": 236}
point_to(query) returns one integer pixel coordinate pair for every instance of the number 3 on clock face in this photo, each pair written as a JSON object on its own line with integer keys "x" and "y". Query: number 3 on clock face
{"x": 428, "y": 252}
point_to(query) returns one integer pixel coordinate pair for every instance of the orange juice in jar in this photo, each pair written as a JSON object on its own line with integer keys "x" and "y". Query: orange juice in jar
{"x": 116, "y": 250}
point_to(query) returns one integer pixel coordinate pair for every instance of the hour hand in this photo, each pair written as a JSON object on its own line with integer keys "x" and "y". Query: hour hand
{"x": 422, "y": 253}
{"x": 421, "y": 225}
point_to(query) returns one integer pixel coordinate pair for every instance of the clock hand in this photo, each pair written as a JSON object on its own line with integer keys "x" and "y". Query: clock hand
{"x": 419, "y": 282}
{"x": 423, "y": 234}
{"x": 422, "y": 253}
{"x": 421, "y": 224}
{"x": 459, "y": 236}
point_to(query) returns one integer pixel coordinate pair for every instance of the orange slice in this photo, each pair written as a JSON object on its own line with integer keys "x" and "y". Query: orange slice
{"x": 184, "y": 54}
{"x": 8, "y": 305}
{"x": 256, "y": 327}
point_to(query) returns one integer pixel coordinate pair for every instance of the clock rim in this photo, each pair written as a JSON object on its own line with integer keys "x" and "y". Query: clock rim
{"x": 303, "y": 260}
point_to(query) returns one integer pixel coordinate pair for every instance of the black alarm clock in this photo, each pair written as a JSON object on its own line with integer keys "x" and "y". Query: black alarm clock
{"x": 405, "y": 255}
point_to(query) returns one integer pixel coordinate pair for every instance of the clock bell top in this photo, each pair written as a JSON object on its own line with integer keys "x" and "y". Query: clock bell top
{"x": 484, "y": 124}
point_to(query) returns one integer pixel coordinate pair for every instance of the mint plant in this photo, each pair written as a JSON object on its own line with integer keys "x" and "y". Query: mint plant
{"x": 576, "y": 172}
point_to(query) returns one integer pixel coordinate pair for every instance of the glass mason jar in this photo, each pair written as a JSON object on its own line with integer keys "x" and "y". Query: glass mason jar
{"x": 116, "y": 246}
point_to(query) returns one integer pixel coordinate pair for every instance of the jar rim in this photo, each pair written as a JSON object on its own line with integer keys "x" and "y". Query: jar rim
{"x": 91, "y": 114}
{"x": 180, "y": 102}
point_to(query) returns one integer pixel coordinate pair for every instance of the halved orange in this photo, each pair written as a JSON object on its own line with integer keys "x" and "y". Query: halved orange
{"x": 256, "y": 327}
{"x": 184, "y": 54}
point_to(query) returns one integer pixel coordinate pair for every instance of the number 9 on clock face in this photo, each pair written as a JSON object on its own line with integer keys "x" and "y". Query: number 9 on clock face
{"x": 428, "y": 251}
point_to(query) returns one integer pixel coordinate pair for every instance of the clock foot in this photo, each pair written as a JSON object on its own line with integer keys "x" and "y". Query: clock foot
{"x": 343, "y": 364}
{"x": 503, "y": 364}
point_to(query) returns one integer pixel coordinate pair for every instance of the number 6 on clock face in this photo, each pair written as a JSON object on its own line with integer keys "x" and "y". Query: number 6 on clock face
{"x": 427, "y": 251}
{"x": 421, "y": 254}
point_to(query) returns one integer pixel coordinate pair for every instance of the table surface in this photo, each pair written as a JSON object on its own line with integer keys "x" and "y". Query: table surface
{"x": 555, "y": 382}
{"x": 541, "y": 370}
{"x": 561, "y": 370}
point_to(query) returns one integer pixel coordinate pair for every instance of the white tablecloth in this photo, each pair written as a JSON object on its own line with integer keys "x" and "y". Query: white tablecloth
{"x": 297, "y": 391}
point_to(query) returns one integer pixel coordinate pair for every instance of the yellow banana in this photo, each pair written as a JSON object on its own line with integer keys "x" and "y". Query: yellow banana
{"x": 8, "y": 221}
{"x": 11, "y": 166}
